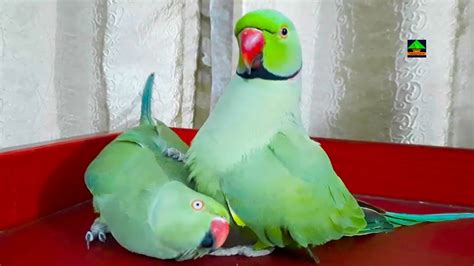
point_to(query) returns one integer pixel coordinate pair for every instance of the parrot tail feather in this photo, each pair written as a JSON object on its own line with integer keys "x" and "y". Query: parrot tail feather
{"x": 403, "y": 219}
{"x": 379, "y": 220}
{"x": 146, "y": 117}
{"x": 375, "y": 219}
{"x": 376, "y": 222}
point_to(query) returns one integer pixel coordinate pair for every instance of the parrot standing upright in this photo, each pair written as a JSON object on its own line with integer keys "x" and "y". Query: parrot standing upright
{"x": 254, "y": 155}
{"x": 143, "y": 198}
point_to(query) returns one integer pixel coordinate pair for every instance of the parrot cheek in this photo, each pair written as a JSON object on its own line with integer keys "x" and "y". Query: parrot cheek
{"x": 251, "y": 47}
{"x": 219, "y": 231}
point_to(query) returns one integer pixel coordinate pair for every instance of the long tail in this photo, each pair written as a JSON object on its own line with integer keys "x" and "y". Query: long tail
{"x": 379, "y": 220}
{"x": 146, "y": 117}
{"x": 403, "y": 219}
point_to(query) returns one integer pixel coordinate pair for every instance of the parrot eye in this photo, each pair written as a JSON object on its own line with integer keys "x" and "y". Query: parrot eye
{"x": 197, "y": 205}
{"x": 284, "y": 32}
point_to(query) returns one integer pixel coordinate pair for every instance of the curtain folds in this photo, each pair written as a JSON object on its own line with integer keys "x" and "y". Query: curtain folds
{"x": 70, "y": 67}
{"x": 358, "y": 82}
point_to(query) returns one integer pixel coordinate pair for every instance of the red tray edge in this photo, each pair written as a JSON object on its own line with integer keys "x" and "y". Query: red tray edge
{"x": 411, "y": 172}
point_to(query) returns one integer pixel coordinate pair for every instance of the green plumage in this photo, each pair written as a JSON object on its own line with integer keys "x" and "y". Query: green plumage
{"x": 254, "y": 155}
{"x": 276, "y": 179}
{"x": 142, "y": 195}
{"x": 138, "y": 152}
{"x": 281, "y": 55}
{"x": 285, "y": 198}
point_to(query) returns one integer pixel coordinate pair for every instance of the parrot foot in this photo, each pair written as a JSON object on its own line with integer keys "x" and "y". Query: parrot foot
{"x": 247, "y": 251}
{"x": 98, "y": 230}
{"x": 175, "y": 154}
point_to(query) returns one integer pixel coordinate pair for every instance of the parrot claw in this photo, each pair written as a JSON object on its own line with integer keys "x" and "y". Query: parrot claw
{"x": 102, "y": 237}
{"x": 89, "y": 238}
{"x": 247, "y": 251}
{"x": 98, "y": 230}
{"x": 175, "y": 154}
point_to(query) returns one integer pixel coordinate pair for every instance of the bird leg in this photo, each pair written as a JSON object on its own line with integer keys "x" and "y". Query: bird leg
{"x": 98, "y": 230}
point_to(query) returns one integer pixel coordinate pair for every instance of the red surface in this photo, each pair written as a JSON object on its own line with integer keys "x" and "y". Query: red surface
{"x": 59, "y": 240}
{"x": 40, "y": 180}
{"x": 435, "y": 174}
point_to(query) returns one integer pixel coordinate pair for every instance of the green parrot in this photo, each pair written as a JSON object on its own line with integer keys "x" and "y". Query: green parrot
{"x": 143, "y": 197}
{"x": 254, "y": 155}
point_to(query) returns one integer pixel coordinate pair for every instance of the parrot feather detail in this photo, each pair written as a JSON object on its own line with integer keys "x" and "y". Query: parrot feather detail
{"x": 143, "y": 197}
{"x": 253, "y": 153}
{"x": 395, "y": 219}
{"x": 403, "y": 219}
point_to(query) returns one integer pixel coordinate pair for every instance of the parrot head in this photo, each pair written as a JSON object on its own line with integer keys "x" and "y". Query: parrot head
{"x": 189, "y": 222}
{"x": 269, "y": 46}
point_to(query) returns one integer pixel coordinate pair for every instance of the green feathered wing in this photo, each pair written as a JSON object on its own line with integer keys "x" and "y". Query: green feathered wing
{"x": 143, "y": 196}
{"x": 129, "y": 174}
{"x": 138, "y": 152}
{"x": 287, "y": 192}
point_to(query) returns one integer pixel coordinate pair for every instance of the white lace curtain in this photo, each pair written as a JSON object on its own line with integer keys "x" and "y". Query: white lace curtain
{"x": 357, "y": 81}
{"x": 72, "y": 67}
{"x": 75, "y": 67}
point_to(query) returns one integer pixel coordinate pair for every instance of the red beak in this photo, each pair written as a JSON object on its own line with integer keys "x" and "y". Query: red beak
{"x": 219, "y": 231}
{"x": 251, "y": 45}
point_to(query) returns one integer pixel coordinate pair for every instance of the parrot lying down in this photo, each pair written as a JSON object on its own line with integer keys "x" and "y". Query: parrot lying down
{"x": 254, "y": 155}
{"x": 142, "y": 196}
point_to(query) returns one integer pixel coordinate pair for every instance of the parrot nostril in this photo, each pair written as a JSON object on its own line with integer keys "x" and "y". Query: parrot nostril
{"x": 207, "y": 241}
